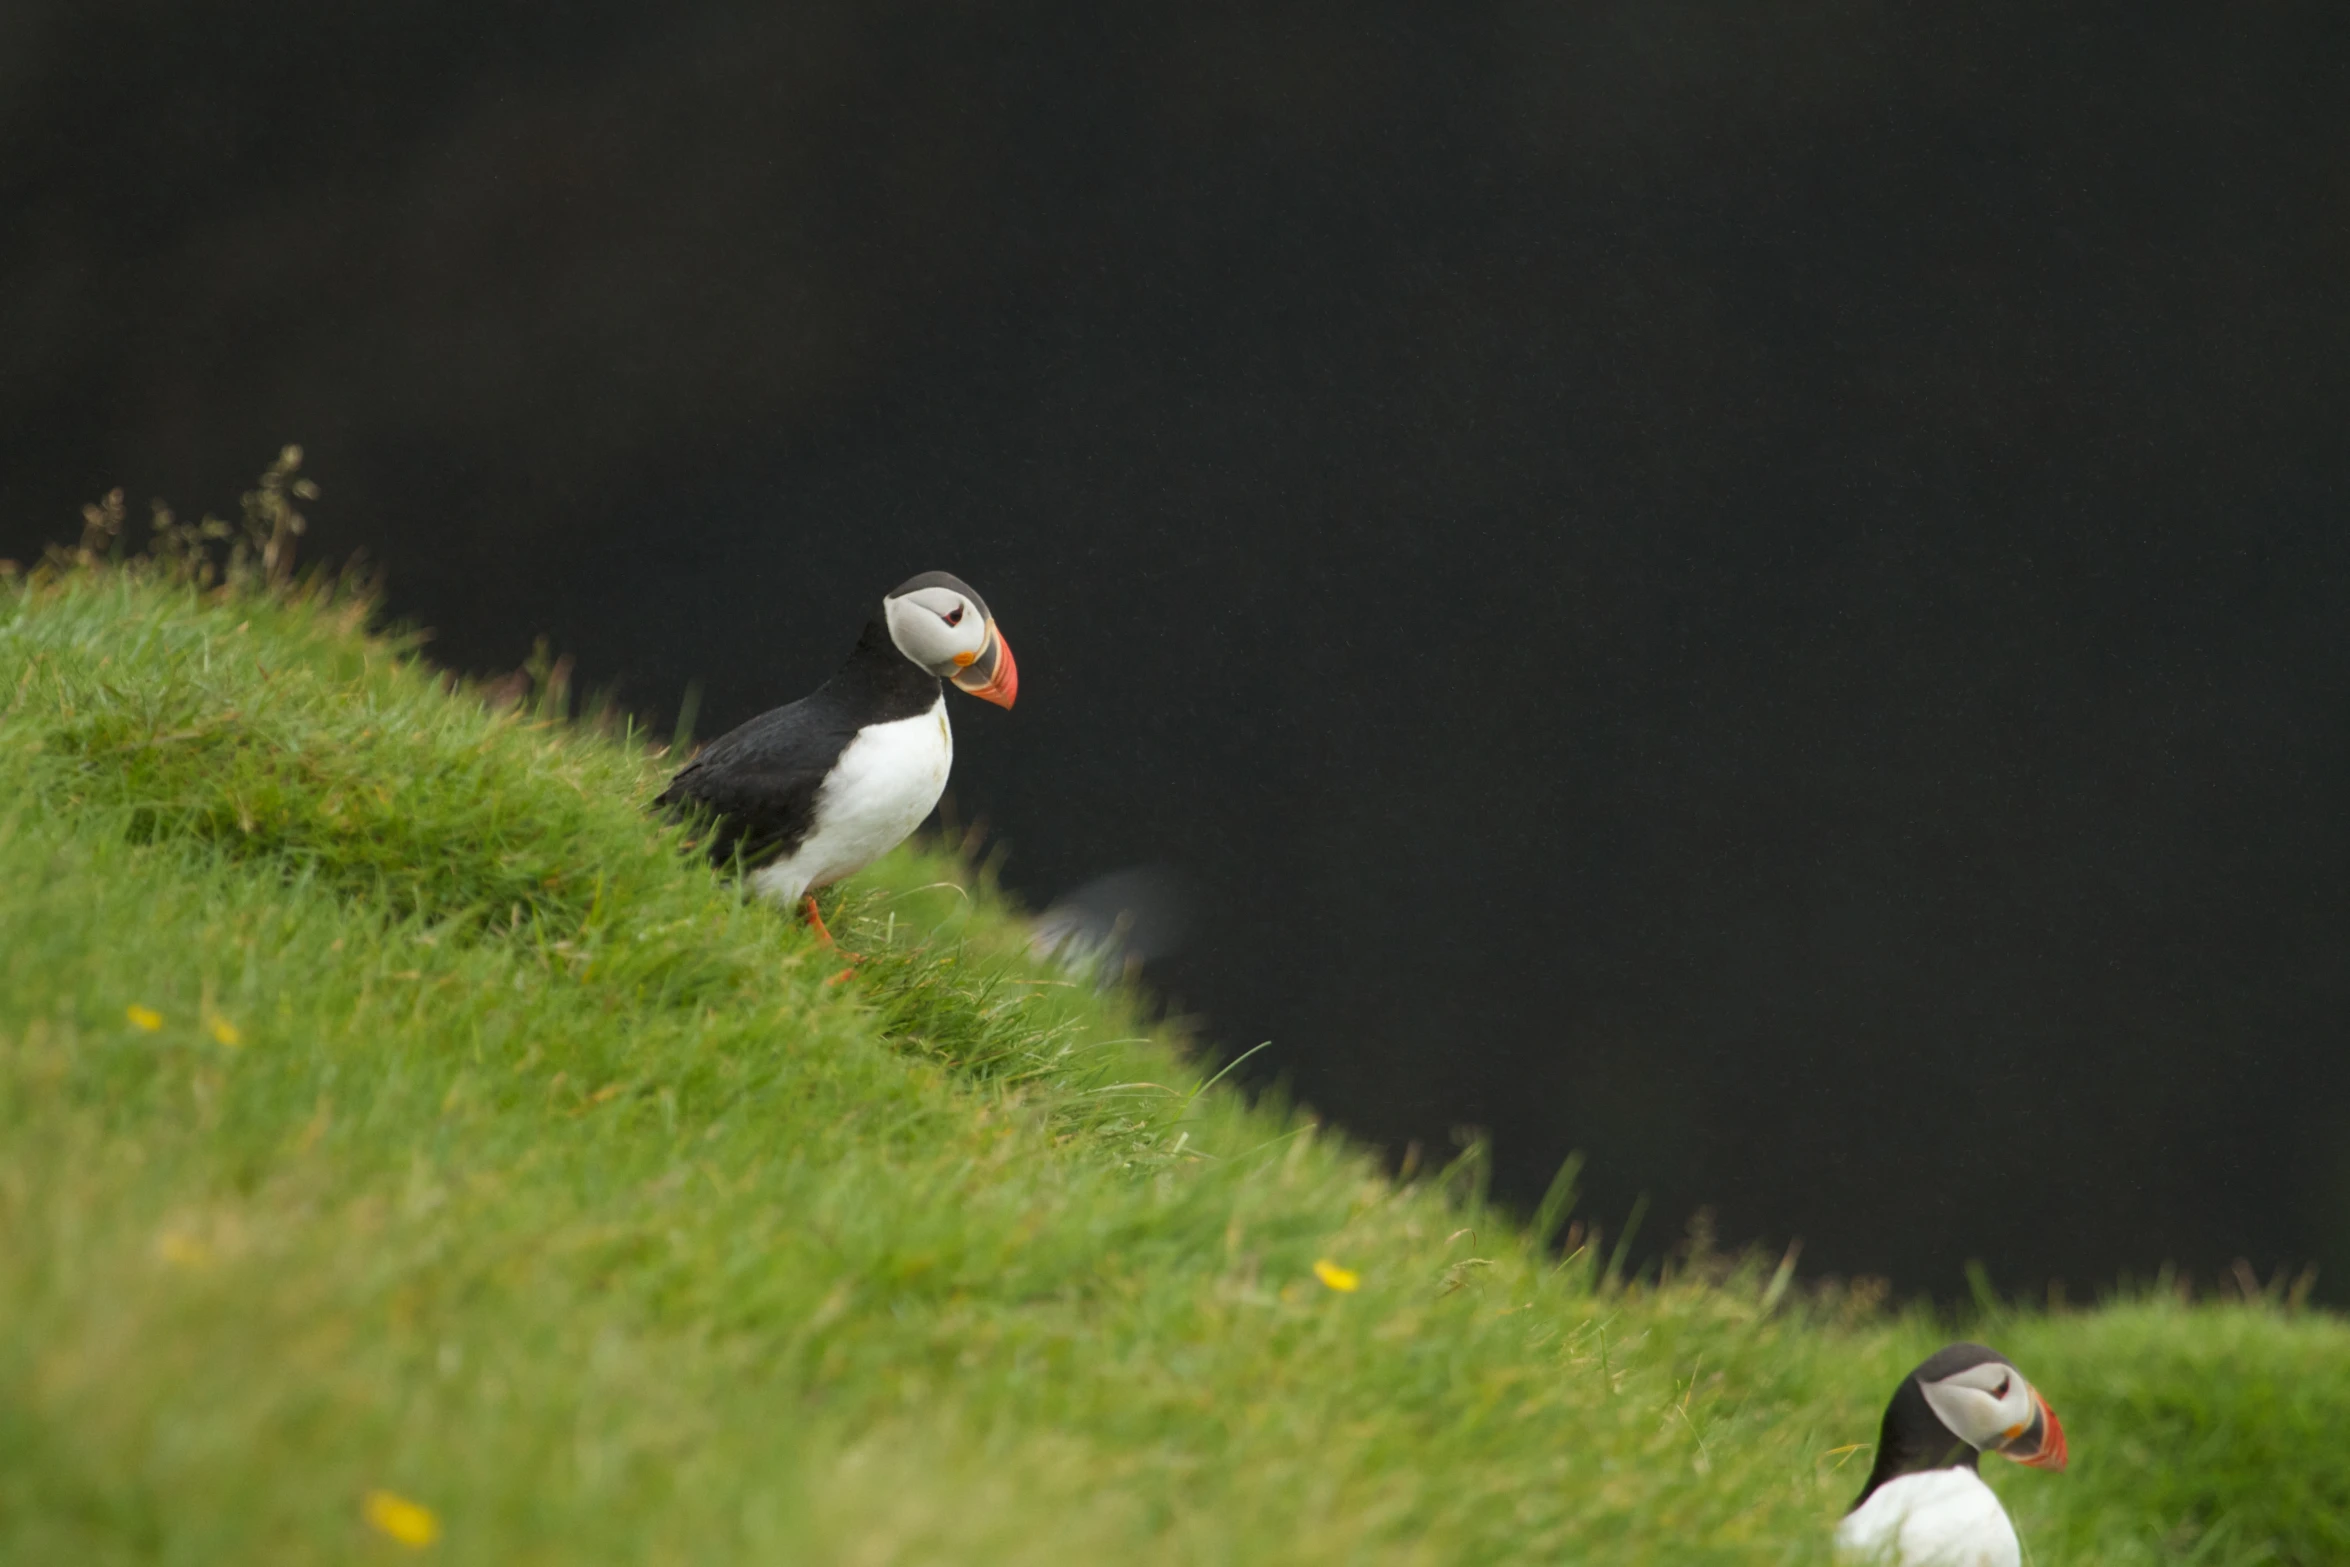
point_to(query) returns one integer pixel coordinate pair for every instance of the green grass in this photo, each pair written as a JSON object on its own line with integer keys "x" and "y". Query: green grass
{"x": 492, "y": 1152}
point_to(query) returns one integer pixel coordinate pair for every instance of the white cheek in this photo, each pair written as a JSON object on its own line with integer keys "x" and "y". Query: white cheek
{"x": 922, "y": 636}
{"x": 1970, "y": 1412}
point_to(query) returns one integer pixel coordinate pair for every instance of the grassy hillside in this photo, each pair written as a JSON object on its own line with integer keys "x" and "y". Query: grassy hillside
{"x": 387, "y": 1106}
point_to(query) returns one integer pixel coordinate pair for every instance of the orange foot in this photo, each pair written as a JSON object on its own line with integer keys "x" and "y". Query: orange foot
{"x": 816, "y": 919}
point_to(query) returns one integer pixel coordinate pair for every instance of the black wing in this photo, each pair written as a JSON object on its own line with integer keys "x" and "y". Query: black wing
{"x": 758, "y": 784}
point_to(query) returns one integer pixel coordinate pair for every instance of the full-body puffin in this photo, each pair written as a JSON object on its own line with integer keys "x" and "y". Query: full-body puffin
{"x": 1924, "y": 1505}
{"x": 817, "y": 790}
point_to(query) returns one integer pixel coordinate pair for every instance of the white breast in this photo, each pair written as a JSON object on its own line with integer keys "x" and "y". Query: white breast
{"x": 884, "y": 784}
{"x": 1942, "y": 1518}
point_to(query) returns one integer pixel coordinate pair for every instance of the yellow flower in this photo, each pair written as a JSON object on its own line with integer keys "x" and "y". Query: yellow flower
{"x": 144, "y": 1017}
{"x": 222, "y": 1029}
{"x": 1343, "y": 1280}
{"x": 182, "y": 1250}
{"x": 410, "y": 1523}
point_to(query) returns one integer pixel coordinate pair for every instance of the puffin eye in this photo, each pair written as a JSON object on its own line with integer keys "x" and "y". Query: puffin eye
{"x": 2000, "y": 1392}
{"x": 953, "y": 617}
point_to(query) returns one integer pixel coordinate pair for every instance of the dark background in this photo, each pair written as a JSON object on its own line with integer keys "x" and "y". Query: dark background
{"x": 1756, "y": 590}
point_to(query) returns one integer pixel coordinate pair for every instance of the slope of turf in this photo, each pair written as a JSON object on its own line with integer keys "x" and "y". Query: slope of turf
{"x": 386, "y": 1105}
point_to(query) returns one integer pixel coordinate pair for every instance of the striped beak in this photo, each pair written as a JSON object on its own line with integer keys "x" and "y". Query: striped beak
{"x": 992, "y": 676}
{"x": 2040, "y": 1444}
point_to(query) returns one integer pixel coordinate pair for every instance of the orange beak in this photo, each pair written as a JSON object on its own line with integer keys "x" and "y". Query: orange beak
{"x": 2040, "y": 1444}
{"x": 992, "y": 676}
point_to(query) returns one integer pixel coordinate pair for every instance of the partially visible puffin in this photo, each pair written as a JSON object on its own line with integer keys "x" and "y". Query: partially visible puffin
{"x": 1924, "y": 1505}
{"x": 817, "y": 790}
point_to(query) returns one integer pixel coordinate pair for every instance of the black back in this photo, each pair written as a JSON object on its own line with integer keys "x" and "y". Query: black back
{"x": 758, "y": 783}
{"x": 1913, "y": 1438}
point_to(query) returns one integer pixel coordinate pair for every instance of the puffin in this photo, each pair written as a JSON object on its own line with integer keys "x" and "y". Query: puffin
{"x": 816, "y": 790}
{"x": 1924, "y": 1504}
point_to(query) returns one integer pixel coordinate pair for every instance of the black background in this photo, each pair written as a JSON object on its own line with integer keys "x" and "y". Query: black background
{"x": 1756, "y": 590}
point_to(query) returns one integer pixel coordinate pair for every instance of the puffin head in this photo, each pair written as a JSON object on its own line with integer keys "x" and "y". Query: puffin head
{"x": 1980, "y": 1398}
{"x": 941, "y": 625}
{"x": 1962, "y": 1400}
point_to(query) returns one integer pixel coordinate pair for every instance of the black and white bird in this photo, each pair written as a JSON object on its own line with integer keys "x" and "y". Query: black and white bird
{"x": 1109, "y": 928}
{"x": 1924, "y": 1505}
{"x": 817, "y": 790}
